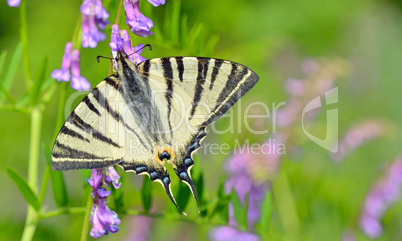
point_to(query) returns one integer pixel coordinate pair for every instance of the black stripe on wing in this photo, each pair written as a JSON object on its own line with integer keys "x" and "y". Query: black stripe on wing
{"x": 215, "y": 72}
{"x": 236, "y": 87}
{"x": 87, "y": 128}
{"x": 168, "y": 74}
{"x": 180, "y": 67}
{"x": 198, "y": 89}
{"x": 102, "y": 101}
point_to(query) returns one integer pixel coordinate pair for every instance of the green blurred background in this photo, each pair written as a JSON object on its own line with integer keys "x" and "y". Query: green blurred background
{"x": 271, "y": 37}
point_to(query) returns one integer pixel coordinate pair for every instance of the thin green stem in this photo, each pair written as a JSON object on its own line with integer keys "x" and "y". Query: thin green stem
{"x": 61, "y": 211}
{"x": 24, "y": 40}
{"x": 24, "y": 110}
{"x": 85, "y": 226}
{"x": 60, "y": 113}
{"x": 285, "y": 205}
{"x": 76, "y": 35}
{"x": 36, "y": 119}
{"x": 45, "y": 181}
{"x": 119, "y": 10}
{"x": 33, "y": 163}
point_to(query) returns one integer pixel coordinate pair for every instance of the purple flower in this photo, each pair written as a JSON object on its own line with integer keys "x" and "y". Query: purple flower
{"x": 103, "y": 219}
{"x": 78, "y": 82}
{"x": 116, "y": 42}
{"x": 357, "y": 135}
{"x": 138, "y": 23}
{"x": 143, "y": 228}
{"x": 121, "y": 41}
{"x": 380, "y": 197}
{"x": 94, "y": 17}
{"x": 226, "y": 233}
{"x": 16, "y": 3}
{"x": 156, "y": 2}
{"x": 63, "y": 74}
{"x": 112, "y": 177}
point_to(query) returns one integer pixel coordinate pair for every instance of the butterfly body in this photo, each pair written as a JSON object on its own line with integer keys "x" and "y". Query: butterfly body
{"x": 149, "y": 114}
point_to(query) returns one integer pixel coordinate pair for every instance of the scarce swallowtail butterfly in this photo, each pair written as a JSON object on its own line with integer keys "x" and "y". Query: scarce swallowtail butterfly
{"x": 150, "y": 113}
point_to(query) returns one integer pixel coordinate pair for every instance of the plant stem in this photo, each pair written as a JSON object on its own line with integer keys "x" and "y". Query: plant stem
{"x": 33, "y": 162}
{"x": 85, "y": 225}
{"x": 66, "y": 210}
{"x": 285, "y": 205}
{"x": 24, "y": 40}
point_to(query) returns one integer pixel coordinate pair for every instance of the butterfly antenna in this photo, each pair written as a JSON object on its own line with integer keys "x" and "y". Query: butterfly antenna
{"x": 147, "y": 45}
{"x": 99, "y": 56}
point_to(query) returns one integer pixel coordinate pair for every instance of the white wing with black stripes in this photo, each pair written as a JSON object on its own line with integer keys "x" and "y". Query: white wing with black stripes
{"x": 151, "y": 113}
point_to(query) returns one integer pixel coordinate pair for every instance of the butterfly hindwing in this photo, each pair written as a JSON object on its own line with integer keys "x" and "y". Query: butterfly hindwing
{"x": 191, "y": 93}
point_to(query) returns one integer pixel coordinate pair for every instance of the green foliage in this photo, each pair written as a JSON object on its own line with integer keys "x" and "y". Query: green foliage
{"x": 146, "y": 193}
{"x": 58, "y": 184}
{"x": 316, "y": 198}
{"x": 24, "y": 188}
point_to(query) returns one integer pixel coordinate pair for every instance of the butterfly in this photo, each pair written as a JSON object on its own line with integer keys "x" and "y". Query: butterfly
{"x": 149, "y": 114}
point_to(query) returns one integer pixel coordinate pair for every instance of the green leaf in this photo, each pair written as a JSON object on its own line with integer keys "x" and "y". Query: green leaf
{"x": 222, "y": 207}
{"x": 199, "y": 187}
{"x": 23, "y": 100}
{"x": 118, "y": 193}
{"x": 57, "y": 179}
{"x": 38, "y": 80}
{"x": 146, "y": 193}
{"x": 85, "y": 174}
{"x": 238, "y": 209}
{"x": 13, "y": 65}
{"x": 182, "y": 196}
{"x": 26, "y": 191}
{"x": 2, "y": 60}
{"x": 175, "y": 21}
{"x": 266, "y": 213}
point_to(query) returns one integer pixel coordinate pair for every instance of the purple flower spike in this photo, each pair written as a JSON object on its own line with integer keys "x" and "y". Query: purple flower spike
{"x": 156, "y": 2}
{"x": 127, "y": 46}
{"x": 116, "y": 42}
{"x": 384, "y": 193}
{"x": 224, "y": 233}
{"x": 121, "y": 41}
{"x": 138, "y": 23}
{"x": 13, "y": 3}
{"x": 77, "y": 81}
{"x": 96, "y": 178}
{"x": 63, "y": 74}
{"x": 112, "y": 177}
{"x": 94, "y": 17}
{"x": 103, "y": 219}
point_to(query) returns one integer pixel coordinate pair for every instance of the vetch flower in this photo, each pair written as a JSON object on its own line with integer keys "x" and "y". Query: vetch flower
{"x": 384, "y": 193}
{"x": 63, "y": 74}
{"x": 143, "y": 228}
{"x": 359, "y": 134}
{"x": 78, "y": 82}
{"x": 121, "y": 41}
{"x": 156, "y": 2}
{"x": 112, "y": 177}
{"x": 16, "y": 3}
{"x": 94, "y": 19}
{"x": 138, "y": 23}
{"x": 227, "y": 233}
{"x": 103, "y": 219}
